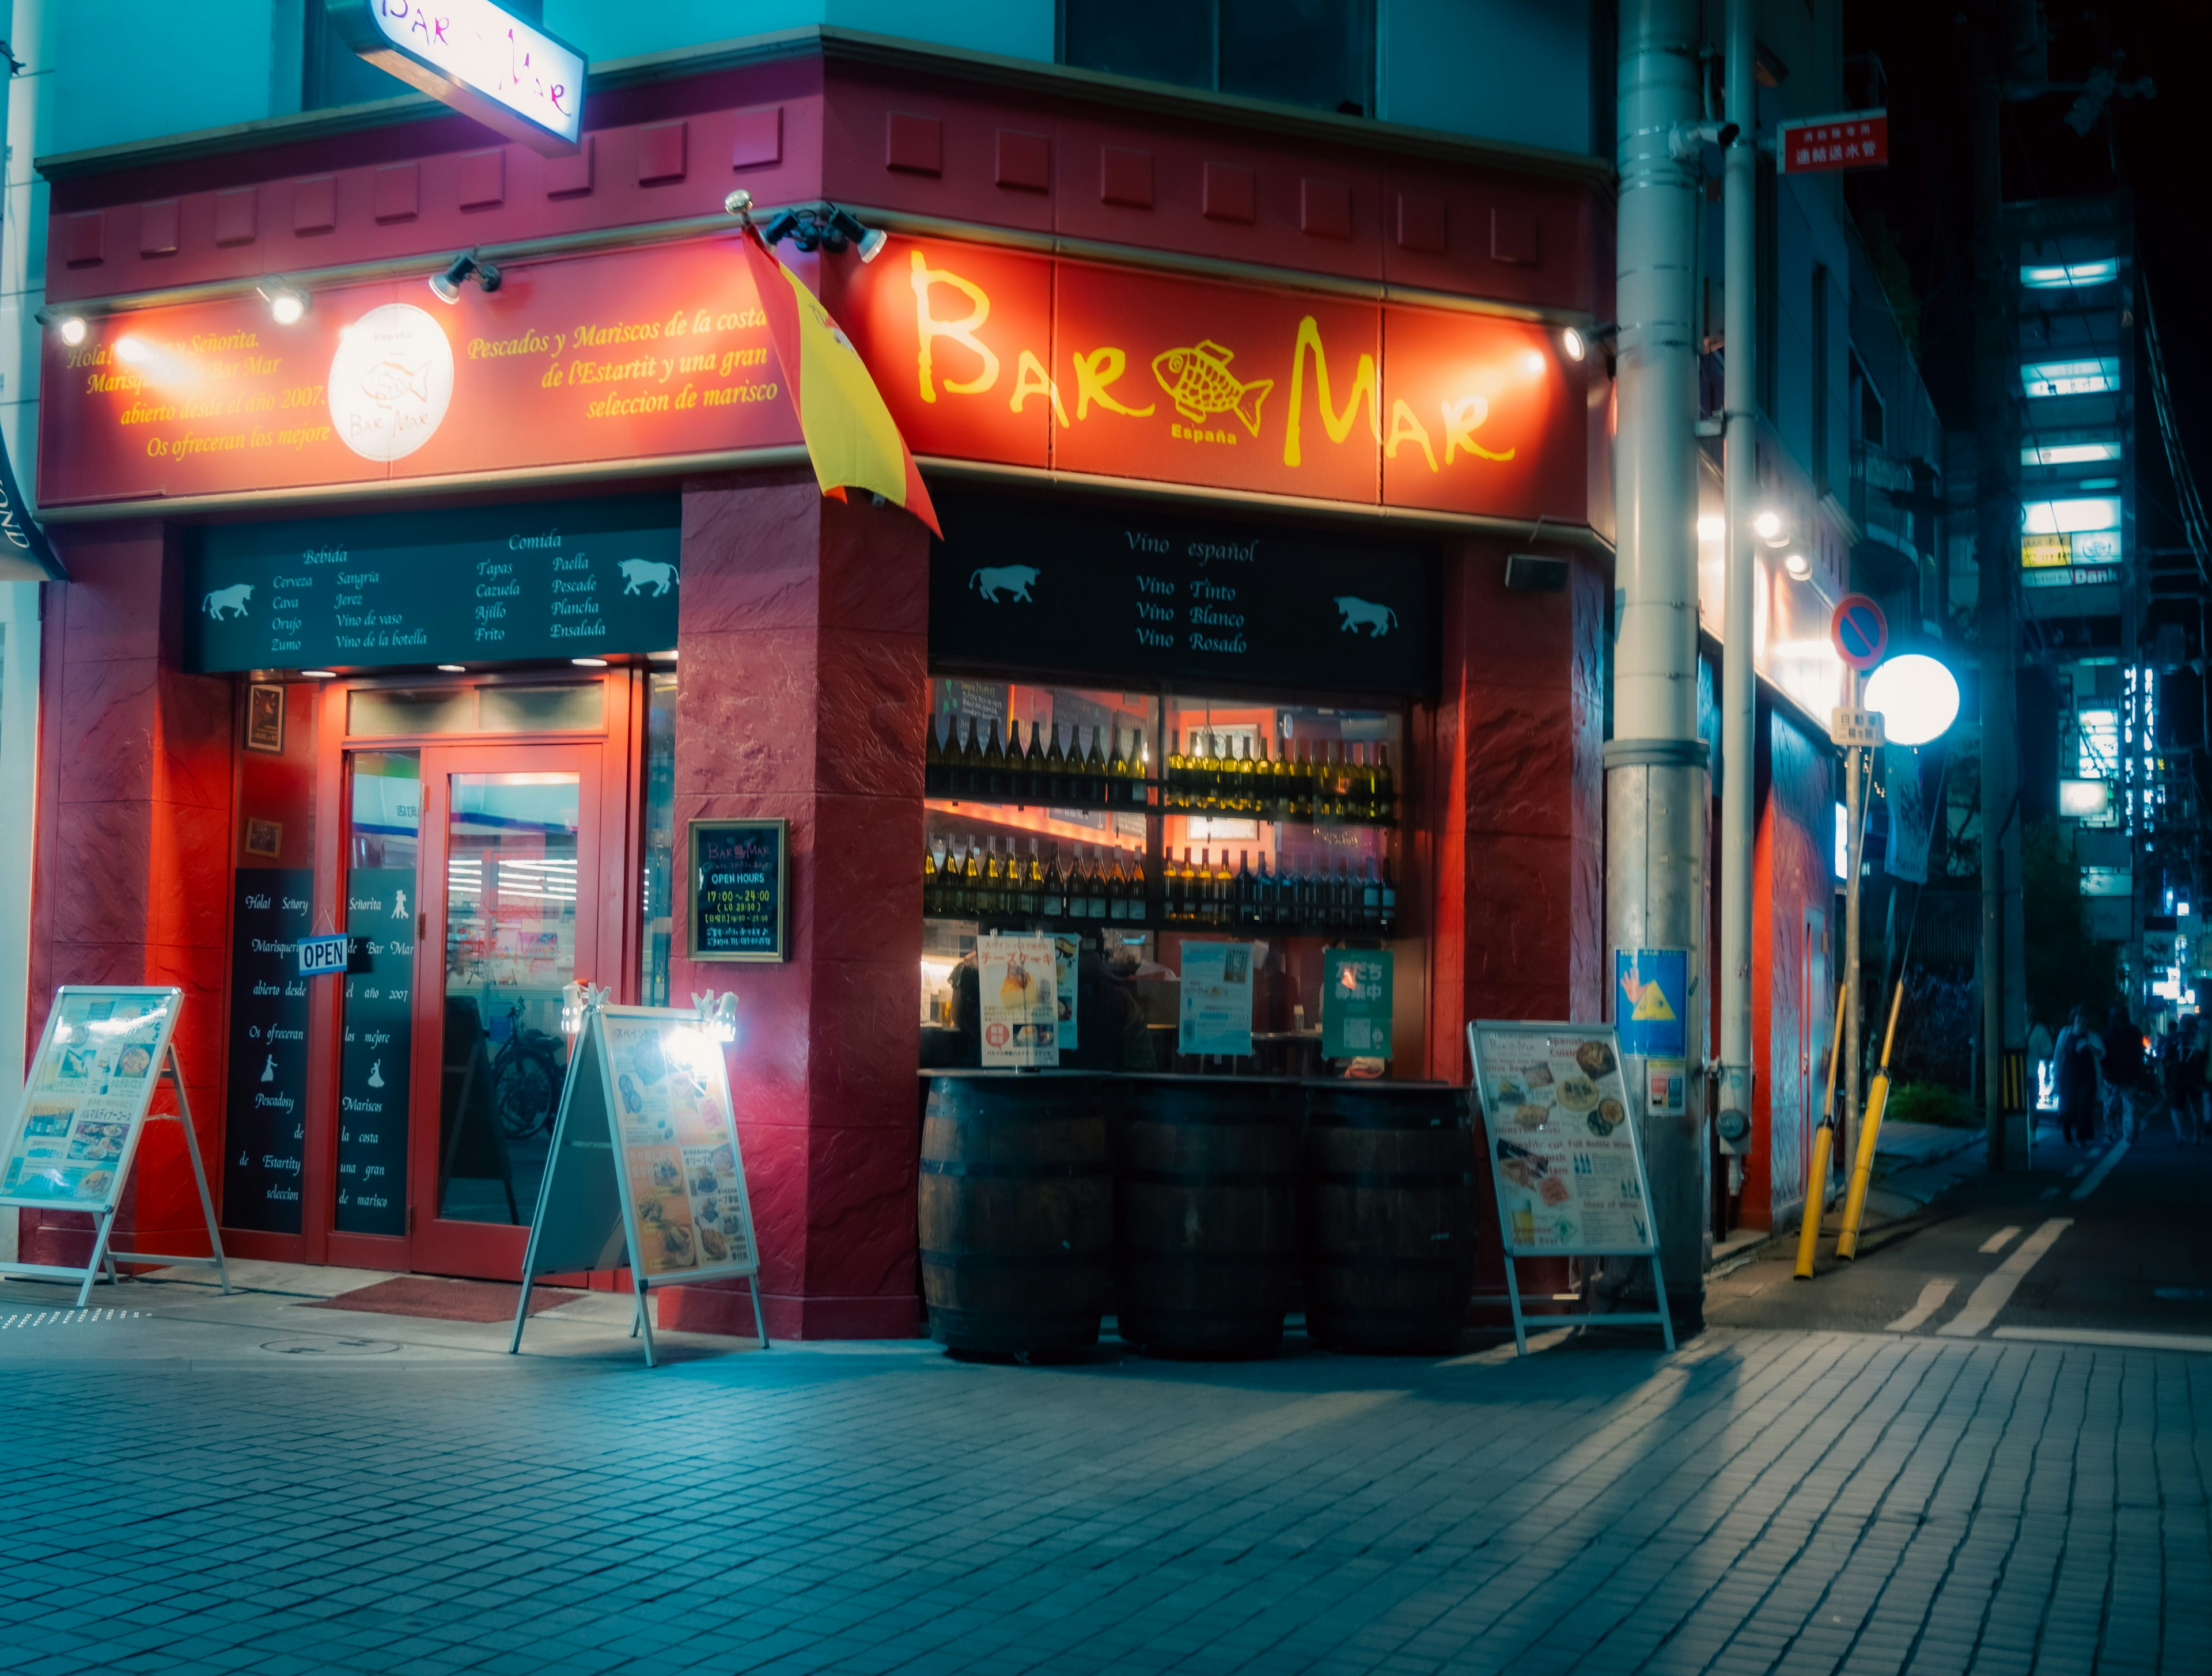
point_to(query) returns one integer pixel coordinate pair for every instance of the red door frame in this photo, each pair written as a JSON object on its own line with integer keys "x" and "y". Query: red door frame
{"x": 620, "y": 746}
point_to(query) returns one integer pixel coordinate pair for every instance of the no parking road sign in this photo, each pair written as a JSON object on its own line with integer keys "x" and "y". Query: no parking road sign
{"x": 1860, "y": 632}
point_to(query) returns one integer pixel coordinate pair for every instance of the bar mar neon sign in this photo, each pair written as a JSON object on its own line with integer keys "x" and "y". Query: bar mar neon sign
{"x": 508, "y": 74}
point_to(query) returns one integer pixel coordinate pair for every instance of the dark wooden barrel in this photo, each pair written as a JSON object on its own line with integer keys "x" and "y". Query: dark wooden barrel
{"x": 1390, "y": 1215}
{"x": 1205, "y": 1190}
{"x": 1016, "y": 1213}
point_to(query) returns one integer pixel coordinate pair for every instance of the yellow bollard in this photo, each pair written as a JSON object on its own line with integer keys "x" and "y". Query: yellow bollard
{"x": 1847, "y": 1243}
{"x": 1824, "y": 1138}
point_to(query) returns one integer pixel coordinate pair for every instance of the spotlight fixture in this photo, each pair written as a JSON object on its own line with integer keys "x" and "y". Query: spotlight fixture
{"x": 286, "y": 303}
{"x": 1798, "y": 566}
{"x": 1572, "y": 342}
{"x": 1769, "y": 526}
{"x": 320, "y": 674}
{"x": 589, "y": 663}
{"x": 71, "y": 328}
{"x": 446, "y": 286}
{"x": 813, "y": 227}
{"x": 452, "y": 669}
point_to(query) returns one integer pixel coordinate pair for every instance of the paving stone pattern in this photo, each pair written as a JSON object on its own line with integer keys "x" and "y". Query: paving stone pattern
{"x": 1761, "y": 1502}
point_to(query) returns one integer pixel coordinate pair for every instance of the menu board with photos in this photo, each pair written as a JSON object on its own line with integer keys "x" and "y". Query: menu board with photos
{"x": 97, "y": 1067}
{"x": 739, "y": 890}
{"x": 1563, "y": 1151}
{"x": 678, "y": 1139}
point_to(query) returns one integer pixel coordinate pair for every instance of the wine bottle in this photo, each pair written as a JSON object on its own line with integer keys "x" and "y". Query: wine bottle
{"x": 1094, "y": 772}
{"x": 1386, "y": 788}
{"x": 1117, "y": 889}
{"x": 1370, "y": 900}
{"x": 1102, "y": 893}
{"x": 1387, "y": 922}
{"x": 1033, "y": 877}
{"x": 993, "y": 780}
{"x": 1267, "y": 895}
{"x": 932, "y": 763}
{"x": 1117, "y": 767}
{"x": 930, "y": 904}
{"x": 1301, "y": 787}
{"x": 968, "y": 771}
{"x": 1171, "y": 890}
{"x": 1240, "y": 779}
{"x": 970, "y": 896}
{"x": 1033, "y": 773}
{"x": 1247, "y": 906}
{"x": 1141, "y": 769}
{"x": 1263, "y": 780}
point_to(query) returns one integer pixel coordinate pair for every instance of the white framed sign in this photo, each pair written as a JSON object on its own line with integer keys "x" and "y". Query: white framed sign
{"x": 1565, "y": 1157}
{"x": 645, "y": 1170}
{"x": 103, "y": 1053}
{"x": 480, "y": 58}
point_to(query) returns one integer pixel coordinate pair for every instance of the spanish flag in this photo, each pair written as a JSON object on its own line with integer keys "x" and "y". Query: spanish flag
{"x": 850, "y": 435}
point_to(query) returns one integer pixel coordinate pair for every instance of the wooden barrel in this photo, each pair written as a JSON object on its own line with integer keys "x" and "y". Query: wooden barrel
{"x": 1390, "y": 1215}
{"x": 1016, "y": 1213}
{"x": 1205, "y": 1188}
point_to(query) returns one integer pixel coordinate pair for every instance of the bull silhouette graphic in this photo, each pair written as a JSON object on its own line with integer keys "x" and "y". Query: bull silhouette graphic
{"x": 1011, "y": 579}
{"x": 1377, "y": 620}
{"x": 642, "y": 575}
{"x": 232, "y": 599}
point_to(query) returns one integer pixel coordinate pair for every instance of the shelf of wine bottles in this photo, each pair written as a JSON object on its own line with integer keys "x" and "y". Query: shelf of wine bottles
{"x": 1347, "y": 785}
{"x": 1103, "y": 885}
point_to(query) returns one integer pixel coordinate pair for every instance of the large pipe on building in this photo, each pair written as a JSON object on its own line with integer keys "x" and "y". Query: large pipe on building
{"x": 1656, "y": 784}
{"x": 1739, "y": 717}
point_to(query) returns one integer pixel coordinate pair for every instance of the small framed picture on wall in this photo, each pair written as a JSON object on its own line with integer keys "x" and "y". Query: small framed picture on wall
{"x": 263, "y": 837}
{"x": 265, "y": 718}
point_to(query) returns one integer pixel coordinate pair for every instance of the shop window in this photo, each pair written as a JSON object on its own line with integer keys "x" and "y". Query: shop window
{"x": 656, "y": 886}
{"x": 1316, "y": 53}
{"x": 1139, "y": 827}
{"x": 571, "y": 707}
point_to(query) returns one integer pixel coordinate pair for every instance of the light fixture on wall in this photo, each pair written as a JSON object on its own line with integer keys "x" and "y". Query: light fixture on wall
{"x": 446, "y": 286}
{"x": 1575, "y": 342}
{"x": 1798, "y": 566}
{"x": 1768, "y": 526}
{"x": 288, "y": 304}
{"x": 589, "y": 663}
{"x": 452, "y": 669}
{"x": 717, "y": 1017}
{"x": 71, "y": 328}
{"x": 813, "y": 227}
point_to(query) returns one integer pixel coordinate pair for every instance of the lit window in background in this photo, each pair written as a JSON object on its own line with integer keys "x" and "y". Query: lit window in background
{"x": 2085, "y": 800}
{"x": 2069, "y": 453}
{"x": 1842, "y": 843}
{"x": 2070, "y": 277}
{"x": 2100, "y": 755}
{"x": 2066, "y": 517}
{"x": 2070, "y": 378}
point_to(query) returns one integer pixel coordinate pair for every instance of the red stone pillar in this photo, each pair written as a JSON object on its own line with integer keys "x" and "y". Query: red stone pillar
{"x": 802, "y": 658}
{"x": 131, "y": 875}
{"x": 1513, "y": 803}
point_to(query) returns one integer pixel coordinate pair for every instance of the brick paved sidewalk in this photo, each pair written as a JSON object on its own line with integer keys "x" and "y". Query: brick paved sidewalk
{"x": 1762, "y": 1501}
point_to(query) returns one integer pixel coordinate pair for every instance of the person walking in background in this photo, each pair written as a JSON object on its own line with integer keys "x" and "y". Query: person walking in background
{"x": 2076, "y": 1056}
{"x": 2039, "y": 1059}
{"x": 2123, "y": 1067}
{"x": 2184, "y": 1082}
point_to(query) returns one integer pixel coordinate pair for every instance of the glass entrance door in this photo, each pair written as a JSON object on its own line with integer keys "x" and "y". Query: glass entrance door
{"x": 507, "y": 835}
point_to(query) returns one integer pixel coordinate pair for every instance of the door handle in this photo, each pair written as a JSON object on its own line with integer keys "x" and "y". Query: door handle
{"x": 422, "y": 926}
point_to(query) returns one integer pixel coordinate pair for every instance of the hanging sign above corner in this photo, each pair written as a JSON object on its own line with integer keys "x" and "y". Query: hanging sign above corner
{"x": 478, "y": 58}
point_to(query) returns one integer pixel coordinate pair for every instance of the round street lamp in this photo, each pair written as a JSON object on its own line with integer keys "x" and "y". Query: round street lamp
{"x": 1918, "y": 696}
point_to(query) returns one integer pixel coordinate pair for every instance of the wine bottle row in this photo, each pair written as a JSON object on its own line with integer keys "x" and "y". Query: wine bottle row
{"x": 1108, "y": 884}
{"x": 1343, "y": 783}
{"x": 978, "y": 765}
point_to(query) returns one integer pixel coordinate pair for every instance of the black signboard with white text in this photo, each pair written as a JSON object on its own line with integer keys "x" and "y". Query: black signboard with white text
{"x": 555, "y": 579}
{"x": 264, "y": 1148}
{"x": 1124, "y": 594}
{"x": 740, "y": 889}
{"x": 374, "y": 1052}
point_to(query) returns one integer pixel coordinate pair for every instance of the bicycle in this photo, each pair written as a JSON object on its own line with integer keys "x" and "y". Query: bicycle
{"x": 526, "y": 1080}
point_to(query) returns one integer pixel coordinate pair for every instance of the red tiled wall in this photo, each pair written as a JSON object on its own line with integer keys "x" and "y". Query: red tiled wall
{"x": 804, "y": 654}
{"x": 1514, "y": 796}
{"x": 131, "y": 876}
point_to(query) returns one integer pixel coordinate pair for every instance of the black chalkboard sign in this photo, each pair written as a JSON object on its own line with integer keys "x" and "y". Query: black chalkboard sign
{"x": 264, "y": 1148}
{"x": 740, "y": 886}
{"x": 564, "y": 579}
{"x": 1126, "y": 592}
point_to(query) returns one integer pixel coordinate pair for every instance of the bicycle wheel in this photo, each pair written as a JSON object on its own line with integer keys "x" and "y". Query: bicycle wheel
{"x": 524, "y": 1091}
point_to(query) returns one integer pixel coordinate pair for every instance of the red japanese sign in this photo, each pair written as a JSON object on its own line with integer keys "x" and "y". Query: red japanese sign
{"x": 1821, "y": 145}
{"x": 981, "y": 353}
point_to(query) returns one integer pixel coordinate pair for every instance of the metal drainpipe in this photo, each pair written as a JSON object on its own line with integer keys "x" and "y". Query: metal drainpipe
{"x": 1739, "y": 718}
{"x": 1655, "y": 769}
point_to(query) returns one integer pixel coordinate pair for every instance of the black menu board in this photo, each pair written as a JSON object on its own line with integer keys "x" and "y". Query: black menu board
{"x": 740, "y": 882}
{"x": 1120, "y": 593}
{"x": 266, "y": 1114}
{"x": 374, "y": 1051}
{"x": 557, "y": 578}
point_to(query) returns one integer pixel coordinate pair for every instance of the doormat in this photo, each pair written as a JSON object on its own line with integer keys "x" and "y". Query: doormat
{"x": 440, "y": 1300}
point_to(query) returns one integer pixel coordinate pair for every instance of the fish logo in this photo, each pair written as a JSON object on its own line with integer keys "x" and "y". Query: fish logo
{"x": 1198, "y": 382}
{"x": 391, "y": 380}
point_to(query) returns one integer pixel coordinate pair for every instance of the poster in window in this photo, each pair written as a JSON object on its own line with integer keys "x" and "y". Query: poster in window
{"x": 265, "y": 718}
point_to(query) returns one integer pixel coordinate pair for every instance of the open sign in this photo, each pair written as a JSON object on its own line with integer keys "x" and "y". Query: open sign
{"x": 320, "y": 956}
